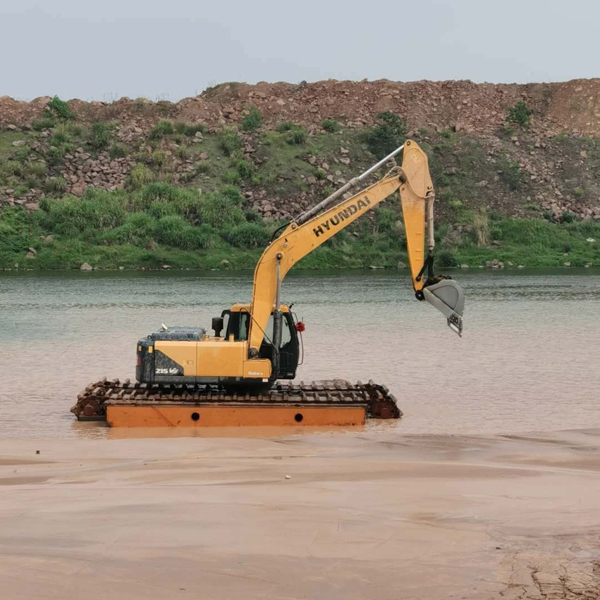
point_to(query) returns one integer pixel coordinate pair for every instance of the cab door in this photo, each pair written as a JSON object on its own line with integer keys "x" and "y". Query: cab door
{"x": 289, "y": 351}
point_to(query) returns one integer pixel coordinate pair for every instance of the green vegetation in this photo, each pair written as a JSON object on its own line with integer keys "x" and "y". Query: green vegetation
{"x": 292, "y": 133}
{"x": 536, "y": 243}
{"x": 252, "y": 119}
{"x": 231, "y": 142}
{"x": 139, "y": 176}
{"x": 59, "y": 109}
{"x": 160, "y": 130}
{"x": 117, "y": 151}
{"x": 511, "y": 174}
{"x": 55, "y": 186}
{"x": 331, "y": 126}
{"x": 481, "y": 227}
{"x": 388, "y": 134}
{"x": 41, "y": 124}
{"x": 520, "y": 114}
{"x": 99, "y": 136}
{"x": 192, "y": 130}
{"x": 160, "y": 224}
{"x": 296, "y": 135}
{"x": 206, "y": 218}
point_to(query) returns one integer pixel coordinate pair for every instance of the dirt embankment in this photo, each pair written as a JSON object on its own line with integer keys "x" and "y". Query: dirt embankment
{"x": 572, "y": 106}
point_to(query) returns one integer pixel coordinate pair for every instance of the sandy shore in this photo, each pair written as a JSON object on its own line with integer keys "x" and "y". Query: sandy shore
{"x": 363, "y": 515}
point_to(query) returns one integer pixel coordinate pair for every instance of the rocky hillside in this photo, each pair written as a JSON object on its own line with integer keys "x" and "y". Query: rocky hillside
{"x": 203, "y": 181}
{"x": 479, "y": 157}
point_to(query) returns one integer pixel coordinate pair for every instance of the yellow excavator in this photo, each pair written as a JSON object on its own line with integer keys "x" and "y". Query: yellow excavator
{"x": 186, "y": 377}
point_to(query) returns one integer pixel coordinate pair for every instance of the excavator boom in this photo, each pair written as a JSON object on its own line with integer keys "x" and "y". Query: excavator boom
{"x": 316, "y": 226}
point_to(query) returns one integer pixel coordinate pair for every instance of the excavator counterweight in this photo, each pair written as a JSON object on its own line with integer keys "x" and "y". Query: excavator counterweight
{"x": 189, "y": 378}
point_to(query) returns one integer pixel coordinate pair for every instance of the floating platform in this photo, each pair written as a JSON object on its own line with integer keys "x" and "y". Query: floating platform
{"x": 318, "y": 403}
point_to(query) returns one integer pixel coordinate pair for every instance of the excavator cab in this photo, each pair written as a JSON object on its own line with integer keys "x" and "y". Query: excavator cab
{"x": 236, "y": 326}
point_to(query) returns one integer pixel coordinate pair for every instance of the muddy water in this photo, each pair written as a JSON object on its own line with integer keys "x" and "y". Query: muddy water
{"x": 529, "y": 358}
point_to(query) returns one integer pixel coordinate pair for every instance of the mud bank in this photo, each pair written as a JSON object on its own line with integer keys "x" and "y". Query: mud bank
{"x": 363, "y": 515}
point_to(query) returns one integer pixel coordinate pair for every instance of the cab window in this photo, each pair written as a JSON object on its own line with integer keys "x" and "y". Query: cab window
{"x": 286, "y": 336}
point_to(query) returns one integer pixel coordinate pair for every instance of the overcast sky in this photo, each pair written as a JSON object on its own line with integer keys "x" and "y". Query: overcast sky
{"x": 105, "y": 49}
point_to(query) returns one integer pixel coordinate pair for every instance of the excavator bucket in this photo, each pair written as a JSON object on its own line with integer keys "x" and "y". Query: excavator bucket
{"x": 447, "y": 296}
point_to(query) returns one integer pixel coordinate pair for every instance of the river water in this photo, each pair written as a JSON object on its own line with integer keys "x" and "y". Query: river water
{"x": 529, "y": 358}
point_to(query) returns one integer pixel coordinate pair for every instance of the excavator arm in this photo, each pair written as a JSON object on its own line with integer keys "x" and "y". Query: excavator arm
{"x": 316, "y": 226}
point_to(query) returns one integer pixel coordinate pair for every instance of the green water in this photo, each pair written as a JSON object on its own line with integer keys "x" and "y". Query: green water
{"x": 529, "y": 358}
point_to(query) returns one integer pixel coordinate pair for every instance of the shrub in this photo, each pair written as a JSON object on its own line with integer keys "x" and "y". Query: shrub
{"x": 137, "y": 229}
{"x": 192, "y": 130}
{"x": 221, "y": 210}
{"x": 579, "y": 192}
{"x": 180, "y": 127}
{"x": 117, "y": 151}
{"x": 159, "y": 209}
{"x": 175, "y": 231}
{"x": 183, "y": 153}
{"x": 59, "y": 138}
{"x": 188, "y": 204}
{"x": 511, "y": 174}
{"x": 446, "y": 258}
{"x": 55, "y": 185}
{"x": 385, "y": 221}
{"x": 14, "y": 224}
{"x": 162, "y": 199}
{"x": 231, "y": 177}
{"x": 60, "y": 109}
{"x": 158, "y": 191}
{"x": 252, "y": 120}
{"x": 567, "y": 217}
{"x": 252, "y": 216}
{"x": 203, "y": 237}
{"x": 97, "y": 210}
{"x": 233, "y": 194}
{"x": 481, "y": 227}
{"x": 520, "y": 114}
{"x": 244, "y": 168}
{"x": 331, "y": 125}
{"x": 20, "y": 190}
{"x": 44, "y": 123}
{"x": 296, "y": 135}
{"x": 158, "y": 158}
{"x": 139, "y": 176}
{"x": 230, "y": 142}
{"x": 285, "y": 126}
{"x": 248, "y": 235}
{"x": 55, "y": 155}
{"x": 388, "y": 134}
{"x": 37, "y": 169}
{"x": 170, "y": 229}
{"x": 99, "y": 136}
{"x": 161, "y": 129}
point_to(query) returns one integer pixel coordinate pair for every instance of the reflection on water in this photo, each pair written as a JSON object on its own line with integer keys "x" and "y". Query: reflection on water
{"x": 528, "y": 359}
{"x": 120, "y": 433}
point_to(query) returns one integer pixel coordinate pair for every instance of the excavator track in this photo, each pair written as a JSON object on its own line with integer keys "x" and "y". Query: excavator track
{"x": 122, "y": 399}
